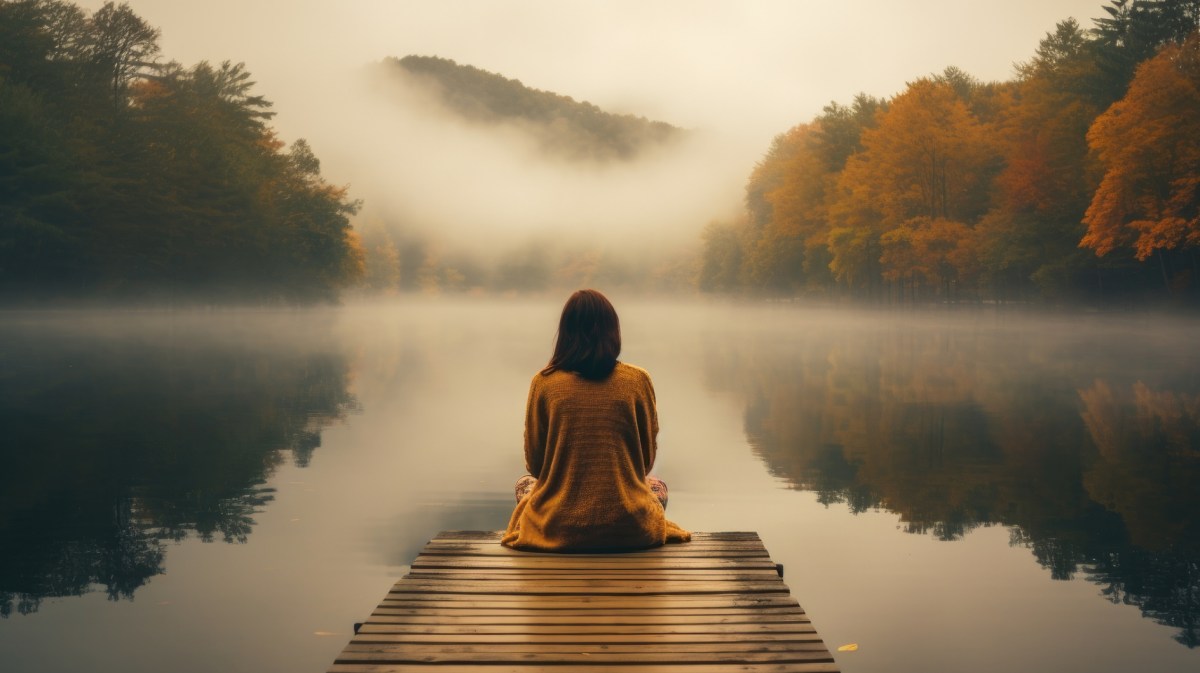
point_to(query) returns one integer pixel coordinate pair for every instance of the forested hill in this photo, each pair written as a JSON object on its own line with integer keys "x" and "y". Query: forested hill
{"x": 563, "y": 126}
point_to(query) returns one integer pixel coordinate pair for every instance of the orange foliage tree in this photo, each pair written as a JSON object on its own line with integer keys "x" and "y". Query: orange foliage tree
{"x": 1149, "y": 145}
{"x": 928, "y": 158}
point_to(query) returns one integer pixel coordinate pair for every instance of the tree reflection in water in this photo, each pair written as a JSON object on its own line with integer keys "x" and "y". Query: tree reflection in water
{"x": 1093, "y": 465}
{"x": 116, "y": 441}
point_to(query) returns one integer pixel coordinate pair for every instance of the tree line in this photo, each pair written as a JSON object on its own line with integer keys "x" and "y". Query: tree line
{"x": 125, "y": 177}
{"x": 1077, "y": 179}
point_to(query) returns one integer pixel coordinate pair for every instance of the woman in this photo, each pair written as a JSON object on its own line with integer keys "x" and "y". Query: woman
{"x": 590, "y": 438}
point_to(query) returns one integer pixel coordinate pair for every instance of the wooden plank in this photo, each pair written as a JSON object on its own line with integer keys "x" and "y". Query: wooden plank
{"x": 561, "y": 620}
{"x": 477, "y": 548}
{"x": 568, "y": 612}
{"x": 469, "y": 605}
{"x": 496, "y": 535}
{"x": 406, "y": 656}
{"x": 440, "y": 584}
{"x": 596, "y": 589}
{"x": 640, "y": 562}
{"x": 813, "y": 667}
{"x": 367, "y": 635}
{"x": 521, "y": 648}
{"x": 384, "y": 626}
{"x": 496, "y": 551}
{"x": 540, "y": 575}
{"x": 695, "y": 543}
{"x": 559, "y": 602}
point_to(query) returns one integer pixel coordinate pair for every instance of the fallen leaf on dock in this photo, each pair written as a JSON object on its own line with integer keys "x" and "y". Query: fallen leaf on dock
{"x": 851, "y": 647}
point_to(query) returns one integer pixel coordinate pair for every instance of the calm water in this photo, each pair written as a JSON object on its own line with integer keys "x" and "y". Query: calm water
{"x": 953, "y": 492}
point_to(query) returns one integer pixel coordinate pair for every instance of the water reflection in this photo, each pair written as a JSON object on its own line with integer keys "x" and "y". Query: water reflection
{"x": 121, "y": 436}
{"x": 1086, "y": 445}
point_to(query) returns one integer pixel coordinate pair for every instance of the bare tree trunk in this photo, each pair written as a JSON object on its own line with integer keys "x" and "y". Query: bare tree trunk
{"x": 1195, "y": 274}
{"x": 1162, "y": 265}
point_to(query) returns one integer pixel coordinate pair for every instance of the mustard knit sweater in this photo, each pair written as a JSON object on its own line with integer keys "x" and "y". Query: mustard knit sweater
{"x": 590, "y": 445}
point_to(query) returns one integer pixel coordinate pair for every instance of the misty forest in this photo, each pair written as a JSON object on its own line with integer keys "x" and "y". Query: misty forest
{"x": 268, "y": 320}
{"x": 125, "y": 175}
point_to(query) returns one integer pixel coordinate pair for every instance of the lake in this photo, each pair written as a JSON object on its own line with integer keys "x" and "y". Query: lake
{"x": 961, "y": 490}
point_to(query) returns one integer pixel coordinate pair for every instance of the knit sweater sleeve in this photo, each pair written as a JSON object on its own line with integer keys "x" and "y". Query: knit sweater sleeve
{"x": 650, "y": 425}
{"x": 536, "y": 428}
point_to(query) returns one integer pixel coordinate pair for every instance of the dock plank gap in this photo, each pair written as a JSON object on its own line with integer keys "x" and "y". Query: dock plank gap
{"x": 717, "y": 604}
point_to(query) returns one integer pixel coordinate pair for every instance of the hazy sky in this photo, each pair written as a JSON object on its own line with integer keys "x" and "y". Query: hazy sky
{"x": 740, "y": 71}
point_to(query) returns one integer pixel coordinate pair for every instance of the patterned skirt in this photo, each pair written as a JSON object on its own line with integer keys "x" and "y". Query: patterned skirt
{"x": 526, "y": 483}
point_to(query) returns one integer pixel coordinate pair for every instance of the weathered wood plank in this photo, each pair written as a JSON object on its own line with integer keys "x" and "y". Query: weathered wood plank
{"x": 469, "y": 605}
{"x": 407, "y": 656}
{"x": 813, "y": 667}
{"x": 664, "y": 552}
{"x": 541, "y": 576}
{"x": 560, "y": 602}
{"x": 379, "y": 617}
{"x": 383, "y": 626}
{"x": 593, "y": 563}
{"x": 496, "y": 535}
{"x": 520, "y": 648}
{"x": 367, "y": 635}
{"x": 585, "y": 587}
{"x": 568, "y": 612}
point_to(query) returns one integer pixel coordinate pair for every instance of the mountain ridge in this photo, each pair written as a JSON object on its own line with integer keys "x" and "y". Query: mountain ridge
{"x": 575, "y": 130}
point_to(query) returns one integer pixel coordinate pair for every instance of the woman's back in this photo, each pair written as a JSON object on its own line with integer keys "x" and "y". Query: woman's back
{"x": 591, "y": 444}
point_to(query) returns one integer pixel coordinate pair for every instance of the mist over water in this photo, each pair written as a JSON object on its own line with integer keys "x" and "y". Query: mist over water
{"x": 208, "y": 490}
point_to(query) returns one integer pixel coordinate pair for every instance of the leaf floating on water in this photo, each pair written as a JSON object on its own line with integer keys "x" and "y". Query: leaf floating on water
{"x": 851, "y": 647}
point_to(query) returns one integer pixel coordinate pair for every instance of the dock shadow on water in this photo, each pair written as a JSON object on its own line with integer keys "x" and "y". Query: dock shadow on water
{"x": 121, "y": 434}
{"x": 1085, "y": 444}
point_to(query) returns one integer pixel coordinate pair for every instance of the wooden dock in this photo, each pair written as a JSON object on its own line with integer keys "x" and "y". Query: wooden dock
{"x": 714, "y": 605}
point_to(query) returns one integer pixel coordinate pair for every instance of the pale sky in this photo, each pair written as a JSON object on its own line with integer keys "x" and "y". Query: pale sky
{"x": 741, "y": 71}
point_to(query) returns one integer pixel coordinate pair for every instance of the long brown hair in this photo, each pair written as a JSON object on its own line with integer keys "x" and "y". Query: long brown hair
{"x": 589, "y": 337}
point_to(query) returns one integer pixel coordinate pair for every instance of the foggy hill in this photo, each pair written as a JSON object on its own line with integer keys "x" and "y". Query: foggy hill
{"x": 563, "y": 126}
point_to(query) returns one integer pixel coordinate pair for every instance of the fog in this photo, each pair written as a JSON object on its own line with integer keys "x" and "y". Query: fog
{"x": 736, "y": 74}
{"x": 477, "y": 184}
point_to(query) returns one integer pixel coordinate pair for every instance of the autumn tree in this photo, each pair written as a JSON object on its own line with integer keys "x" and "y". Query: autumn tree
{"x": 785, "y": 242}
{"x": 1149, "y": 146}
{"x": 927, "y": 157}
{"x": 785, "y": 194}
{"x": 934, "y": 253}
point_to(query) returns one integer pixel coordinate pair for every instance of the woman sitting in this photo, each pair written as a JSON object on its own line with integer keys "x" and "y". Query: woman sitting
{"x": 591, "y": 428}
